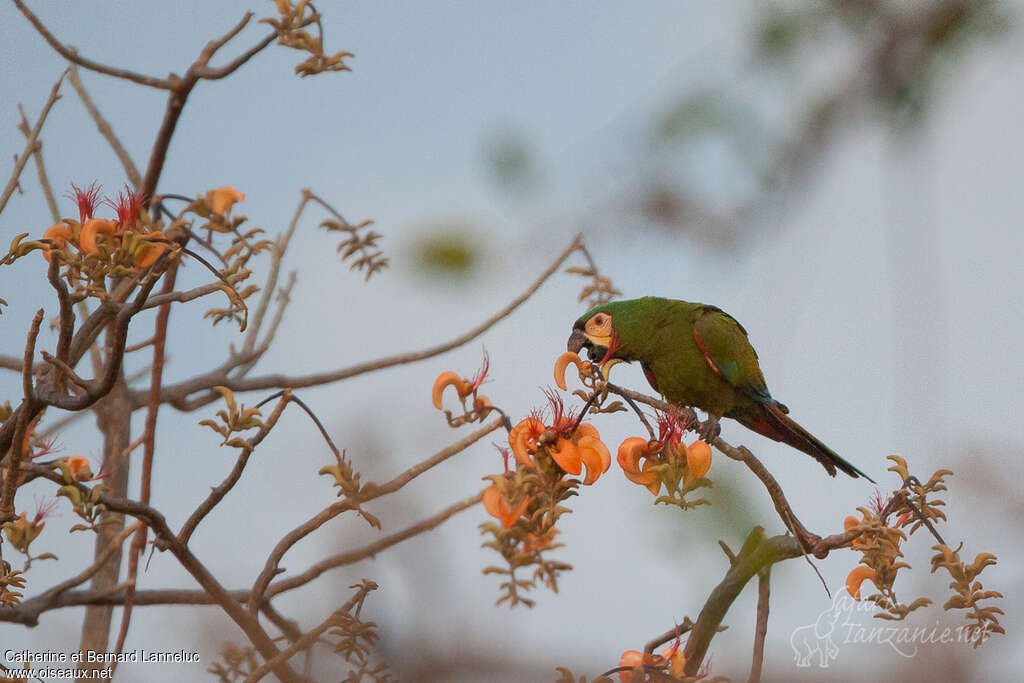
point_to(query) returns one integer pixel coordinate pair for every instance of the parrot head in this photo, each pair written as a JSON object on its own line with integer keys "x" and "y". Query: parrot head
{"x": 595, "y": 332}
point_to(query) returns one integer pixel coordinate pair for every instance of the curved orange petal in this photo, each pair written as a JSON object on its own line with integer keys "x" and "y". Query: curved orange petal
{"x": 595, "y": 455}
{"x": 223, "y": 198}
{"x": 498, "y": 507}
{"x": 566, "y": 455}
{"x": 87, "y": 238}
{"x": 79, "y": 466}
{"x": 148, "y": 255}
{"x": 586, "y": 429}
{"x": 443, "y": 381}
{"x": 59, "y": 233}
{"x": 523, "y": 439}
{"x": 651, "y": 479}
{"x": 631, "y": 658}
{"x": 514, "y": 513}
{"x": 855, "y": 578}
{"x": 606, "y": 456}
{"x": 492, "y": 500}
{"x": 630, "y": 452}
{"x": 676, "y": 661}
{"x": 698, "y": 459}
{"x": 591, "y": 457}
{"x": 562, "y": 362}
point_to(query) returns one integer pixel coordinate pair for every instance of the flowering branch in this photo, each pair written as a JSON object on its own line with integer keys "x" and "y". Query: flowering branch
{"x": 369, "y": 492}
{"x": 177, "y": 394}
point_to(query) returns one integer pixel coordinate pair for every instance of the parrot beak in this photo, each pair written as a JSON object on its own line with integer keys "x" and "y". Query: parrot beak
{"x": 578, "y": 341}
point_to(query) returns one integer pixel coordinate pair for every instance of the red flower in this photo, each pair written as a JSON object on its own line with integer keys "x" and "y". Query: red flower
{"x": 128, "y": 207}
{"x": 87, "y": 200}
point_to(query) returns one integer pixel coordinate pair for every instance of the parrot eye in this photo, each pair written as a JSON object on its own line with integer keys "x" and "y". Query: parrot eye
{"x": 600, "y": 324}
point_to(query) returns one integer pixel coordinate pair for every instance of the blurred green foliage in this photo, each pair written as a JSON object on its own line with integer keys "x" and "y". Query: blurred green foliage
{"x": 449, "y": 248}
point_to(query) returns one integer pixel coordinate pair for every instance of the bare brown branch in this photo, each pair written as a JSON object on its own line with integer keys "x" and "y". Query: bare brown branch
{"x": 177, "y": 394}
{"x": 30, "y": 144}
{"x": 369, "y": 492}
{"x": 72, "y": 55}
{"x": 105, "y": 129}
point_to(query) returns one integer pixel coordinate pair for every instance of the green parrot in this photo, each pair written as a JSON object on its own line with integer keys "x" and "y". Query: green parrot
{"x": 698, "y": 356}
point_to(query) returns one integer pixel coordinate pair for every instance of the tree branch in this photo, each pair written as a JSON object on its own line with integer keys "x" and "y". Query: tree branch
{"x": 761, "y": 629}
{"x": 72, "y": 55}
{"x": 370, "y": 550}
{"x": 30, "y": 144}
{"x": 217, "y": 493}
{"x": 106, "y": 131}
{"x": 176, "y": 394}
{"x": 369, "y": 492}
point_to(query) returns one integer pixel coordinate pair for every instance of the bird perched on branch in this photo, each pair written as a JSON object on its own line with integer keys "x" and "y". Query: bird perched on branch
{"x": 698, "y": 356}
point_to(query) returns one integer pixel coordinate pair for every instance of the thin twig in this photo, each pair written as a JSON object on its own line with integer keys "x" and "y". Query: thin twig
{"x": 106, "y": 131}
{"x": 72, "y": 55}
{"x": 22, "y": 421}
{"x": 53, "y": 593}
{"x": 632, "y": 404}
{"x": 668, "y": 635}
{"x": 177, "y": 394}
{"x": 30, "y": 144}
{"x": 37, "y": 155}
{"x": 370, "y": 550}
{"x": 308, "y": 639}
{"x": 148, "y": 452}
{"x": 368, "y": 493}
{"x": 280, "y": 247}
{"x": 761, "y": 629}
{"x": 218, "y": 492}
{"x": 188, "y": 560}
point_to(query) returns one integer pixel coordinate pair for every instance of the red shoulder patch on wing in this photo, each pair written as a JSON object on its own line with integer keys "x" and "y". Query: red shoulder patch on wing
{"x": 707, "y": 356}
{"x": 651, "y": 379}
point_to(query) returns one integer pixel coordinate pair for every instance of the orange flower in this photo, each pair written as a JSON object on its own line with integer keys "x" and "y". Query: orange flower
{"x": 59, "y": 233}
{"x": 148, "y": 255}
{"x": 698, "y": 459}
{"x": 670, "y": 659}
{"x": 87, "y": 238}
{"x": 532, "y": 543}
{"x": 630, "y": 453}
{"x": 857, "y": 577}
{"x": 852, "y": 522}
{"x": 79, "y": 466}
{"x": 448, "y": 379}
{"x": 633, "y": 658}
{"x": 525, "y": 439}
{"x": 562, "y": 362}
{"x": 223, "y": 198}
{"x": 583, "y": 448}
{"x": 498, "y": 507}
{"x": 675, "y": 660}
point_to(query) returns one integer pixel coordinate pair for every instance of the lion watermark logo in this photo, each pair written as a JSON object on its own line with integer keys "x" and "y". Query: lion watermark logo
{"x": 848, "y": 621}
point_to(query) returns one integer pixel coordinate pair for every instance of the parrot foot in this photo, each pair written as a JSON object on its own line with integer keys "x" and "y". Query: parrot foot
{"x": 709, "y": 429}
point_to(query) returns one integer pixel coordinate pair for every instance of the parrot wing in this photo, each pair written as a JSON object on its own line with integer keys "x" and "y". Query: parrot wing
{"x": 724, "y": 344}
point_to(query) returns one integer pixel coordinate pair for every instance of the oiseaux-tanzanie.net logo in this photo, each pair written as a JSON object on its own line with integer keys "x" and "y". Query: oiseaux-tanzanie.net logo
{"x": 850, "y": 623}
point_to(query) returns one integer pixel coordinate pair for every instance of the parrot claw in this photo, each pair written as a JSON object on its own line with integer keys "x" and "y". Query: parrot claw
{"x": 709, "y": 429}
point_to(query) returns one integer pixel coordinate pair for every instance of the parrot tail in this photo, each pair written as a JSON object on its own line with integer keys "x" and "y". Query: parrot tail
{"x": 772, "y": 421}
